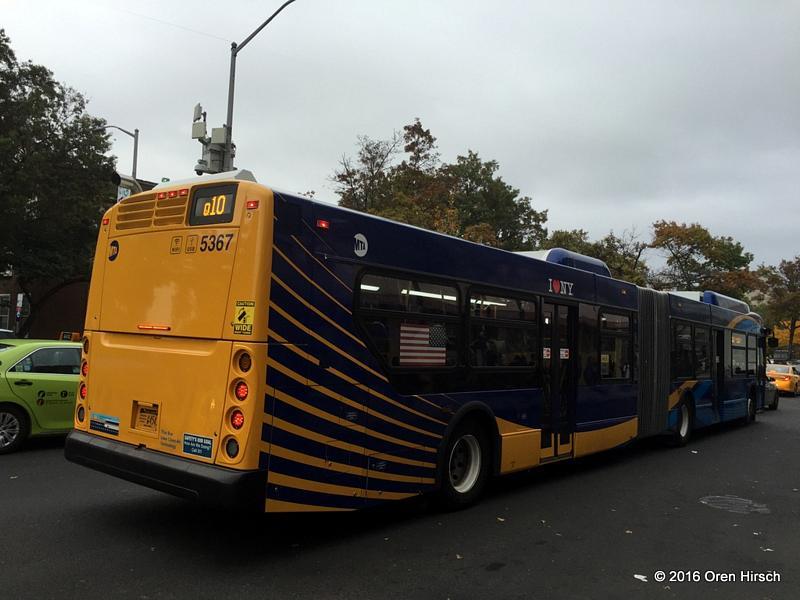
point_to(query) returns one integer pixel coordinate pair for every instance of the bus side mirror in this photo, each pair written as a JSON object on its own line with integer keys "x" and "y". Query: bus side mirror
{"x": 772, "y": 342}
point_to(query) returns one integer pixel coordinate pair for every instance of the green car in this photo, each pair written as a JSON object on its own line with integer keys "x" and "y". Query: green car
{"x": 38, "y": 381}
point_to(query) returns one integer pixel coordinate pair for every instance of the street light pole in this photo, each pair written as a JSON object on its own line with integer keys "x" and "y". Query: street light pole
{"x": 227, "y": 160}
{"x": 135, "y": 136}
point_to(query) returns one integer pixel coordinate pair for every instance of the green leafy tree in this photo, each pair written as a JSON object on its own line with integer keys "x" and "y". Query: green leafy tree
{"x": 466, "y": 198}
{"x": 54, "y": 179}
{"x": 697, "y": 260}
{"x": 623, "y": 254}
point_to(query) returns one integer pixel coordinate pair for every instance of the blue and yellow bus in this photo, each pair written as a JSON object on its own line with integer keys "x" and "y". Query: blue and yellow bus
{"x": 253, "y": 348}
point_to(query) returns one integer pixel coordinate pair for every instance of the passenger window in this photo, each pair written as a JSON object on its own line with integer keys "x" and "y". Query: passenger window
{"x": 738, "y": 354}
{"x": 615, "y": 346}
{"x": 378, "y": 292}
{"x": 702, "y": 353}
{"x": 682, "y": 351}
{"x": 61, "y": 361}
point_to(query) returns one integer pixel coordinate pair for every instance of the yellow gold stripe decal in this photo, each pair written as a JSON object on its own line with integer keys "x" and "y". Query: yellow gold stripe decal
{"x": 317, "y": 437}
{"x": 311, "y": 281}
{"x": 331, "y": 394}
{"x": 276, "y": 506}
{"x": 337, "y": 421}
{"x": 308, "y": 485}
{"x": 293, "y": 347}
{"x": 677, "y": 395}
{"x": 316, "y": 310}
{"x": 348, "y": 379}
{"x": 347, "y": 287}
{"x": 321, "y": 339}
{"x": 321, "y": 463}
{"x": 589, "y": 442}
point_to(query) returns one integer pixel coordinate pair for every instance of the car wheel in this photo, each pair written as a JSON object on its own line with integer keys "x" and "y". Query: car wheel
{"x": 685, "y": 424}
{"x": 775, "y": 402}
{"x": 464, "y": 466}
{"x": 14, "y": 428}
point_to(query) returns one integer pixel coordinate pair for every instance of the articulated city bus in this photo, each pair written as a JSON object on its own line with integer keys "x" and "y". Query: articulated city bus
{"x": 253, "y": 348}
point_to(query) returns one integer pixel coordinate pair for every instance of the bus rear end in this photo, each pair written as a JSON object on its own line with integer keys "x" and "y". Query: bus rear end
{"x": 175, "y": 326}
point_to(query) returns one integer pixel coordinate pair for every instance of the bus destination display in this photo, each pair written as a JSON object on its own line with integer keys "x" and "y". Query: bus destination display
{"x": 213, "y": 205}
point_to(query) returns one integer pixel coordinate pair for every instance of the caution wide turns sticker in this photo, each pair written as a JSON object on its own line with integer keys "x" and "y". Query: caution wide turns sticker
{"x": 243, "y": 316}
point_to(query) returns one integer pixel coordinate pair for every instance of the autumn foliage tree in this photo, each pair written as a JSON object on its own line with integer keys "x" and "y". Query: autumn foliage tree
{"x": 780, "y": 297}
{"x": 697, "y": 260}
{"x": 403, "y": 178}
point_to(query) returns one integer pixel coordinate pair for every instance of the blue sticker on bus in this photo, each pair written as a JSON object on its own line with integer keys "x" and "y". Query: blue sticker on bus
{"x": 197, "y": 445}
{"x": 104, "y": 423}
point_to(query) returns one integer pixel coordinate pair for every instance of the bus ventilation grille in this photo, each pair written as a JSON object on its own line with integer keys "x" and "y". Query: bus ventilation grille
{"x": 146, "y": 211}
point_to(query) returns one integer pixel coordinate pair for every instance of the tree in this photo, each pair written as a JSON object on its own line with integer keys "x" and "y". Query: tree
{"x": 696, "y": 260}
{"x": 781, "y": 297}
{"x": 466, "y": 198}
{"x": 622, "y": 255}
{"x": 54, "y": 179}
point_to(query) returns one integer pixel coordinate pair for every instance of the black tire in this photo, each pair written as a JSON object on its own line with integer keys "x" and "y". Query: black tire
{"x": 461, "y": 480}
{"x": 774, "y": 405}
{"x": 750, "y": 417}
{"x": 14, "y": 428}
{"x": 683, "y": 432}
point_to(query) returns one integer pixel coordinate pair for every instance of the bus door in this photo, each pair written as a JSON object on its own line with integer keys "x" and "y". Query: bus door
{"x": 558, "y": 379}
{"x": 719, "y": 369}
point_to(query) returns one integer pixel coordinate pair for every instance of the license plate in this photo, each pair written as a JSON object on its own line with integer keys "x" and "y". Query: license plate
{"x": 146, "y": 417}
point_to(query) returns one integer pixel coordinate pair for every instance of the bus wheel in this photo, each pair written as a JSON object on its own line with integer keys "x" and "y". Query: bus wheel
{"x": 14, "y": 428}
{"x": 685, "y": 422}
{"x": 751, "y": 411}
{"x": 464, "y": 468}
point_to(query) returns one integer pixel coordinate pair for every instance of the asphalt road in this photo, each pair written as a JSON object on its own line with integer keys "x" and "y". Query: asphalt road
{"x": 582, "y": 530}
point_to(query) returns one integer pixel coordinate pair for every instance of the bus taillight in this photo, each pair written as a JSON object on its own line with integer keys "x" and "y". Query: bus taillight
{"x": 81, "y": 413}
{"x": 86, "y": 345}
{"x": 244, "y": 362}
{"x": 85, "y": 369}
{"x": 241, "y": 390}
{"x": 231, "y": 447}
{"x": 237, "y": 419}
{"x": 83, "y": 391}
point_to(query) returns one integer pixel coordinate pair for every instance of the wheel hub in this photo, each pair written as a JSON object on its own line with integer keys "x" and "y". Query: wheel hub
{"x": 9, "y": 429}
{"x": 465, "y": 463}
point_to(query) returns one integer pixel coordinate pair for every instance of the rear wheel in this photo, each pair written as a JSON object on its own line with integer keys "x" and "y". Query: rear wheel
{"x": 751, "y": 411}
{"x": 14, "y": 428}
{"x": 774, "y": 405}
{"x": 465, "y": 466}
{"x": 685, "y": 422}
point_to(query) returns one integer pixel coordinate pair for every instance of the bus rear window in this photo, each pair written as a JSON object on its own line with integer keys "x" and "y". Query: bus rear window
{"x": 212, "y": 205}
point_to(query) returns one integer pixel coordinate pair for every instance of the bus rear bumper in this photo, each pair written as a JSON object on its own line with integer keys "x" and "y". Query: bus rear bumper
{"x": 181, "y": 477}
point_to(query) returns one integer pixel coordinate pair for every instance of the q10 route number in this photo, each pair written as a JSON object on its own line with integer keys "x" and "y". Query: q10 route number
{"x": 215, "y": 243}
{"x": 215, "y": 206}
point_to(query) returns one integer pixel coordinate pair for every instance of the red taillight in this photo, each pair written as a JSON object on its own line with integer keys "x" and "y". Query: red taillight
{"x": 241, "y": 390}
{"x": 105, "y": 220}
{"x": 323, "y": 224}
{"x": 83, "y": 392}
{"x": 184, "y": 192}
{"x": 85, "y": 369}
{"x": 172, "y": 194}
{"x": 237, "y": 419}
{"x": 245, "y": 362}
{"x": 161, "y": 195}
{"x": 86, "y": 345}
{"x": 786, "y": 378}
{"x": 251, "y": 204}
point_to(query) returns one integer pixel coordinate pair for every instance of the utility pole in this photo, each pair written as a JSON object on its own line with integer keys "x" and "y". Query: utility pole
{"x": 219, "y": 150}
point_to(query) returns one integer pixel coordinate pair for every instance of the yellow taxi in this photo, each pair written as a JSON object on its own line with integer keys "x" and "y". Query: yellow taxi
{"x": 787, "y": 378}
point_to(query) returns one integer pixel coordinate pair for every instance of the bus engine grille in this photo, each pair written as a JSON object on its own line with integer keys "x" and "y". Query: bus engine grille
{"x": 145, "y": 211}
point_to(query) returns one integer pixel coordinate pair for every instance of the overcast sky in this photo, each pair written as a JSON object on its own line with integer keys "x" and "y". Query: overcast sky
{"x": 609, "y": 114}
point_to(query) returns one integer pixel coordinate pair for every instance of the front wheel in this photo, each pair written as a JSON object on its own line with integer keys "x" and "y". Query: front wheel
{"x": 14, "y": 428}
{"x": 464, "y": 466}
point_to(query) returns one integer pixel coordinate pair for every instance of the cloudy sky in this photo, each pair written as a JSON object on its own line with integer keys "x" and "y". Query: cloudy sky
{"x": 609, "y": 114}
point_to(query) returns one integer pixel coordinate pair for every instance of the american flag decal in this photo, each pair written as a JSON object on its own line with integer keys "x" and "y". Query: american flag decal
{"x": 423, "y": 345}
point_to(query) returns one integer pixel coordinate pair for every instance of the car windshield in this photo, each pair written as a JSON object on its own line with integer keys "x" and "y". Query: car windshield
{"x": 779, "y": 368}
